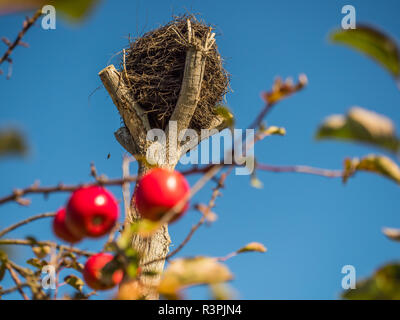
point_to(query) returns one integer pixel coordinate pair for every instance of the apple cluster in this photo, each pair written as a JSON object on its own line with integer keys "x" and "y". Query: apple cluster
{"x": 93, "y": 211}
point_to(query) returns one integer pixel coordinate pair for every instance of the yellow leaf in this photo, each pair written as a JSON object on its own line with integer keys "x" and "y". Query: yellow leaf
{"x": 41, "y": 251}
{"x": 253, "y": 246}
{"x": 192, "y": 271}
{"x": 392, "y": 234}
{"x": 381, "y": 165}
{"x": 361, "y": 125}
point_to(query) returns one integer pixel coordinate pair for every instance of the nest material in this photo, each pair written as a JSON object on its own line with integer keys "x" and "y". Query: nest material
{"x": 155, "y": 65}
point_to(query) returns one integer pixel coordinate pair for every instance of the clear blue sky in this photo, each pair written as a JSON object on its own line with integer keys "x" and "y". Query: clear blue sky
{"x": 311, "y": 225}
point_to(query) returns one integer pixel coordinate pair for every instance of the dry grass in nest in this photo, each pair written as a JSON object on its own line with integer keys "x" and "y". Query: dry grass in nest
{"x": 155, "y": 65}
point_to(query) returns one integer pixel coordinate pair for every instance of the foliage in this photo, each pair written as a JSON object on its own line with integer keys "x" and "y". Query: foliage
{"x": 383, "y": 285}
{"x": 12, "y": 142}
{"x": 372, "y": 42}
{"x": 73, "y": 10}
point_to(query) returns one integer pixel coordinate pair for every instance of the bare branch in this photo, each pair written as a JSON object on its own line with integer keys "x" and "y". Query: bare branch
{"x": 192, "y": 79}
{"x": 36, "y": 189}
{"x": 301, "y": 169}
{"x": 26, "y": 221}
{"x": 134, "y": 117}
{"x": 28, "y": 23}
{"x": 15, "y": 277}
{"x": 31, "y": 243}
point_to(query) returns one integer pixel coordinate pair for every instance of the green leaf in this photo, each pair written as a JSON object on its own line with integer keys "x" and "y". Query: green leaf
{"x": 12, "y": 142}
{"x": 37, "y": 263}
{"x": 41, "y": 251}
{"x": 182, "y": 273}
{"x": 372, "y": 42}
{"x": 226, "y": 114}
{"x": 75, "y": 10}
{"x": 132, "y": 270}
{"x": 361, "y": 125}
{"x": 4, "y": 253}
{"x": 2, "y": 269}
{"x": 74, "y": 282}
{"x": 145, "y": 228}
{"x": 273, "y": 130}
{"x": 253, "y": 246}
{"x": 383, "y": 285}
{"x": 372, "y": 163}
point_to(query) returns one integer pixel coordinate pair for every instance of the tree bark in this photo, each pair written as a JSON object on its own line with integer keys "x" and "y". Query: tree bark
{"x": 133, "y": 139}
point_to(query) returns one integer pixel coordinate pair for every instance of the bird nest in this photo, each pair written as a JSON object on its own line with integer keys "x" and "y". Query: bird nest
{"x": 155, "y": 65}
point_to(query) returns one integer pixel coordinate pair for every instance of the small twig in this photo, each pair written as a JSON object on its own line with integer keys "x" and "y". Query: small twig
{"x": 15, "y": 278}
{"x": 26, "y": 221}
{"x": 93, "y": 171}
{"x": 265, "y": 167}
{"x": 228, "y": 256}
{"x": 44, "y": 243}
{"x": 24, "y": 272}
{"x": 35, "y": 189}
{"x": 301, "y": 169}
{"x": 28, "y": 23}
{"x": 13, "y": 289}
{"x": 126, "y": 193}
{"x": 211, "y": 204}
{"x": 280, "y": 90}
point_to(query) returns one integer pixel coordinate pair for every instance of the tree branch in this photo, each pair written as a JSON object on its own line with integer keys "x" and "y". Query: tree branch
{"x": 15, "y": 277}
{"x": 36, "y": 189}
{"x": 45, "y": 243}
{"x": 26, "y": 221}
{"x": 28, "y": 23}
{"x": 192, "y": 79}
{"x": 134, "y": 117}
{"x": 301, "y": 169}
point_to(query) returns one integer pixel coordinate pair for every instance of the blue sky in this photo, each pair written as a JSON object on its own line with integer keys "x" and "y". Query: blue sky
{"x": 311, "y": 225}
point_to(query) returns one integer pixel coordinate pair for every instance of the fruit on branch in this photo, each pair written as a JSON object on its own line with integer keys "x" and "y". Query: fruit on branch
{"x": 93, "y": 275}
{"x": 92, "y": 212}
{"x": 60, "y": 229}
{"x": 159, "y": 191}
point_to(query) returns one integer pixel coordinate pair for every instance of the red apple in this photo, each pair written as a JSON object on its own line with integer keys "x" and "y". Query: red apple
{"x": 159, "y": 191}
{"x": 92, "y": 272}
{"x": 60, "y": 229}
{"x": 91, "y": 211}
